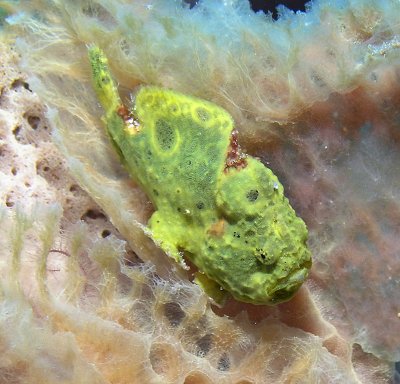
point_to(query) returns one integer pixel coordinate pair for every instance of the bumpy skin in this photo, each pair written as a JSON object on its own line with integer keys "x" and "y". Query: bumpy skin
{"x": 220, "y": 209}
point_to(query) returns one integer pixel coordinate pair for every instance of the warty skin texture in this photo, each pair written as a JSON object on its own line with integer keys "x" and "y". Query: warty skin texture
{"x": 224, "y": 211}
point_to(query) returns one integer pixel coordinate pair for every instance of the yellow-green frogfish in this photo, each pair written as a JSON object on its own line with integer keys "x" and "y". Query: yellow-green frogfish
{"x": 218, "y": 208}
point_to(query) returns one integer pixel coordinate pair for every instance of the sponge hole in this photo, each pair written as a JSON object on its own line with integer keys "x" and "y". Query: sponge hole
{"x": 9, "y": 201}
{"x": 197, "y": 378}
{"x": 93, "y": 214}
{"x": 164, "y": 361}
{"x": 224, "y": 363}
{"x": 204, "y": 345}
{"x": 174, "y": 313}
{"x": 33, "y": 121}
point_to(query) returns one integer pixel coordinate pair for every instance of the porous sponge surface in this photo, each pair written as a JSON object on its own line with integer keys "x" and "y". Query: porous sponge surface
{"x": 319, "y": 107}
{"x": 111, "y": 322}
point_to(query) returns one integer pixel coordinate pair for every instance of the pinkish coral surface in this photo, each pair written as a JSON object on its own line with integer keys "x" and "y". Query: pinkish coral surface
{"x": 314, "y": 95}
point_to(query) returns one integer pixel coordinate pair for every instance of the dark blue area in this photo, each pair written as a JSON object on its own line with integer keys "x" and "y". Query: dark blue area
{"x": 270, "y": 5}
{"x": 397, "y": 373}
{"x": 267, "y": 5}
